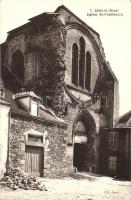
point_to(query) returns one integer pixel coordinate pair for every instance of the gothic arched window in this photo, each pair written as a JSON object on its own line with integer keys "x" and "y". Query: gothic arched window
{"x": 88, "y": 71}
{"x": 18, "y": 65}
{"x": 82, "y": 62}
{"x": 75, "y": 64}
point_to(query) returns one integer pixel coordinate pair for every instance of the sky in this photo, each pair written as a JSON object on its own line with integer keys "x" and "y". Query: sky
{"x": 115, "y": 31}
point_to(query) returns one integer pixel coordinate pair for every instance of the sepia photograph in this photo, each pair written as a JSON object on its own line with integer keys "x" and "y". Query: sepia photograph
{"x": 65, "y": 100}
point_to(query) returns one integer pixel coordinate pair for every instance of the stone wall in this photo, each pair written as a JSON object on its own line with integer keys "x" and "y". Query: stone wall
{"x": 76, "y": 113}
{"x": 103, "y": 152}
{"x": 58, "y": 160}
{"x": 73, "y": 36}
{"x": 124, "y": 153}
{"x": 4, "y": 131}
{"x": 43, "y": 46}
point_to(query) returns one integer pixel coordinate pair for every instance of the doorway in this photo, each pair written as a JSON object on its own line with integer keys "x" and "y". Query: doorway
{"x": 79, "y": 156}
{"x": 84, "y": 158}
{"x": 34, "y": 160}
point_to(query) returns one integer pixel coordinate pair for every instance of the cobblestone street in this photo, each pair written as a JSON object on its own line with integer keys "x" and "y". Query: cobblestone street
{"x": 103, "y": 188}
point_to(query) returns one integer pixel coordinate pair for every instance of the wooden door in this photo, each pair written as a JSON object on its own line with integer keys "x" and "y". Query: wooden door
{"x": 34, "y": 160}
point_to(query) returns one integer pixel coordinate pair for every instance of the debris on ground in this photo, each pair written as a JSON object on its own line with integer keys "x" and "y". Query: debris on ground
{"x": 15, "y": 179}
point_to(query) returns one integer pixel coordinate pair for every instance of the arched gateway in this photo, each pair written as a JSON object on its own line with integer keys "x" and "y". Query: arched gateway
{"x": 84, "y": 134}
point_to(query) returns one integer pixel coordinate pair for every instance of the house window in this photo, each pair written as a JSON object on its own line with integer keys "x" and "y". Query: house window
{"x": 112, "y": 162}
{"x": 88, "y": 71}
{"x": 82, "y": 63}
{"x": 75, "y": 64}
{"x": 113, "y": 140}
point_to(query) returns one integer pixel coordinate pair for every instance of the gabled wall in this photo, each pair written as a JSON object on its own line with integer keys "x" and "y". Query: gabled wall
{"x": 73, "y": 36}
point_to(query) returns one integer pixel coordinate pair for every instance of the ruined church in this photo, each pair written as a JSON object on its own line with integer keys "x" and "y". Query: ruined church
{"x": 60, "y": 96}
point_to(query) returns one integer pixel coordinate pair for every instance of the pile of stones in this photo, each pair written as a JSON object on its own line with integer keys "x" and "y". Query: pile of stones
{"x": 15, "y": 179}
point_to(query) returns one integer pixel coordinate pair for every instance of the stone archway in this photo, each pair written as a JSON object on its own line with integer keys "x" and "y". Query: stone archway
{"x": 84, "y": 134}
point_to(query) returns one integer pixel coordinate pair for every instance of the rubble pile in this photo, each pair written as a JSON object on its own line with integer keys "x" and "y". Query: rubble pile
{"x": 15, "y": 179}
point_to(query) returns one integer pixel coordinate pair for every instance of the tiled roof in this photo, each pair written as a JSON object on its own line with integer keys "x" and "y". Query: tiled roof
{"x": 14, "y": 106}
{"x": 25, "y": 94}
{"x": 124, "y": 121}
{"x": 44, "y": 114}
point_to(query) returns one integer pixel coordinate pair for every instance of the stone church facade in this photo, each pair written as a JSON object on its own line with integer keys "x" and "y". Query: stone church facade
{"x": 63, "y": 94}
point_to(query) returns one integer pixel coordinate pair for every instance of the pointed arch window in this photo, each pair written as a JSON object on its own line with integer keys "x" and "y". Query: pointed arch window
{"x": 75, "y": 64}
{"x": 88, "y": 71}
{"x": 81, "y": 66}
{"x": 18, "y": 64}
{"x": 82, "y": 62}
